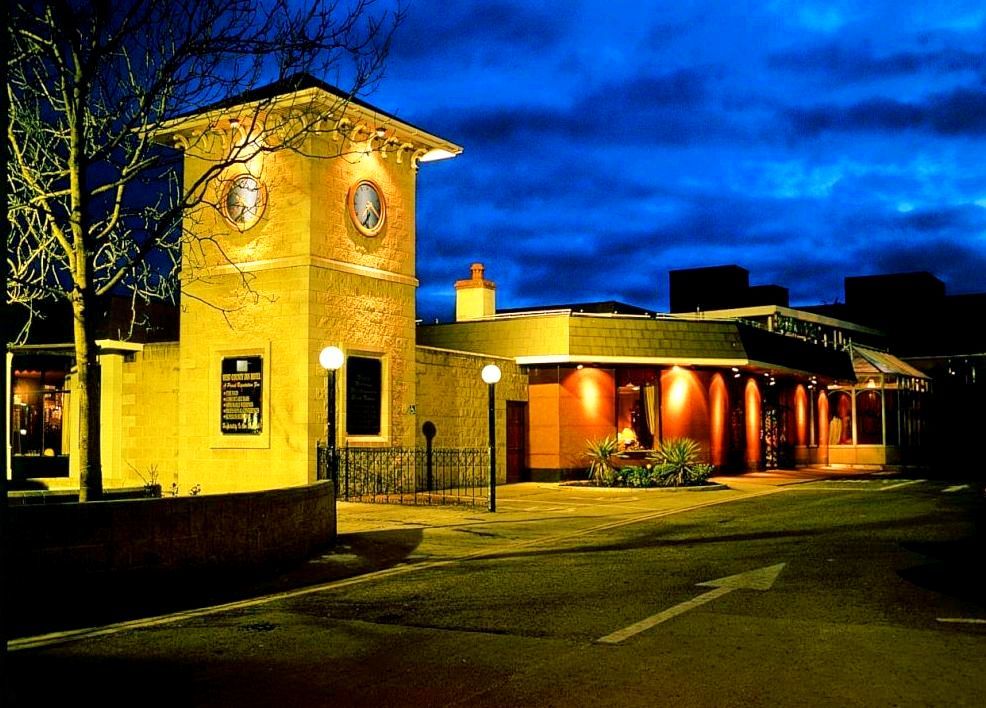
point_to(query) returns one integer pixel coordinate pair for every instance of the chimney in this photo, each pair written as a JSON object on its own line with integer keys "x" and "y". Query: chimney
{"x": 475, "y": 297}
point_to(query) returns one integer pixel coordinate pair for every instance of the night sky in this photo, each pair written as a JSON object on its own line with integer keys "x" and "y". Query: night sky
{"x": 609, "y": 142}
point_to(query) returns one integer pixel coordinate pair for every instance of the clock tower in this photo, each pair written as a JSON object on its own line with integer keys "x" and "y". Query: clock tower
{"x": 301, "y": 235}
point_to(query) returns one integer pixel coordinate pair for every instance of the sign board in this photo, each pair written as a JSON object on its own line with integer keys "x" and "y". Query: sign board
{"x": 363, "y": 395}
{"x": 242, "y": 395}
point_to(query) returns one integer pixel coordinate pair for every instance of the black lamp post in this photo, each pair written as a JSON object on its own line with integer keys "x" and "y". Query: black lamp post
{"x": 491, "y": 374}
{"x": 331, "y": 359}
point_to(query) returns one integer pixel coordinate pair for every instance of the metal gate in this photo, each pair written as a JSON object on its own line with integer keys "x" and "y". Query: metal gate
{"x": 397, "y": 475}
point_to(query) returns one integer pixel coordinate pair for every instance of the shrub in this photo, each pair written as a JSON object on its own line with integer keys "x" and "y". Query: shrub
{"x": 677, "y": 463}
{"x": 636, "y": 477}
{"x": 600, "y": 454}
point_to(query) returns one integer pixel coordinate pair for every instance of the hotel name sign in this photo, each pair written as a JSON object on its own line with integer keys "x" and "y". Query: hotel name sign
{"x": 242, "y": 385}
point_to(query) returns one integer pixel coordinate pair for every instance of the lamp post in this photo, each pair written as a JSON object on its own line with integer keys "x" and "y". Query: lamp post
{"x": 331, "y": 359}
{"x": 491, "y": 374}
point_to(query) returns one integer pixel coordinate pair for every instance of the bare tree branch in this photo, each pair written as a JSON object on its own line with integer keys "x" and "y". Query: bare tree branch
{"x": 96, "y": 206}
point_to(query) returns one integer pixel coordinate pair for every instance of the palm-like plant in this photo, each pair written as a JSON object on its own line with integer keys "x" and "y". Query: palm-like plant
{"x": 600, "y": 454}
{"x": 677, "y": 463}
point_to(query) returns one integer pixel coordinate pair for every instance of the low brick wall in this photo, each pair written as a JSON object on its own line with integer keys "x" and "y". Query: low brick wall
{"x": 63, "y": 544}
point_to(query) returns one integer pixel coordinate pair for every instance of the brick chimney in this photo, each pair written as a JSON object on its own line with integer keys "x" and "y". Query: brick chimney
{"x": 475, "y": 297}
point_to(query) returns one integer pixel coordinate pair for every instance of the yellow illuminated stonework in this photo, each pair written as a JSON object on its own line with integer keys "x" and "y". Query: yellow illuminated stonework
{"x": 294, "y": 250}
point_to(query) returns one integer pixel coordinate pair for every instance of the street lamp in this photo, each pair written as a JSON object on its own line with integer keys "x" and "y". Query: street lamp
{"x": 331, "y": 359}
{"x": 491, "y": 374}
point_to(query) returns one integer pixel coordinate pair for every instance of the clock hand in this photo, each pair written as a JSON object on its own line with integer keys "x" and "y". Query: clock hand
{"x": 370, "y": 211}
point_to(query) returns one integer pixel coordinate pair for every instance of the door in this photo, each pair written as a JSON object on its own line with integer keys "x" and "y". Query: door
{"x": 516, "y": 441}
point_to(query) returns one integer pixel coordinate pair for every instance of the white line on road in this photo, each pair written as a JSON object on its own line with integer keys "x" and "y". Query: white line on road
{"x": 759, "y": 579}
{"x": 901, "y": 484}
{"x": 92, "y": 632}
{"x": 962, "y": 620}
{"x": 955, "y": 488}
{"x": 654, "y": 620}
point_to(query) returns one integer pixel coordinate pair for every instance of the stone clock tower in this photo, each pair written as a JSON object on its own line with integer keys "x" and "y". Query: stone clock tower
{"x": 301, "y": 235}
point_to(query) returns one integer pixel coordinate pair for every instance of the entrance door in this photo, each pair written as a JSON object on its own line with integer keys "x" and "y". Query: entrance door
{"x": 516, "y": 441}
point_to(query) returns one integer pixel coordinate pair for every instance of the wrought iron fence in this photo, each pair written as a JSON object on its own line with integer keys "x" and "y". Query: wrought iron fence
{"x": 398, "y": 475}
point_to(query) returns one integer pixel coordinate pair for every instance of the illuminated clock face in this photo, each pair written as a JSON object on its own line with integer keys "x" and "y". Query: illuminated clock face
{"x": 367, "y": 207}
{"x": 244, "y": 202}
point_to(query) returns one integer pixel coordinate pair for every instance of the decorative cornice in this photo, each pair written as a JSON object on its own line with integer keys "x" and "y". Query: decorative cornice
{"x": 316, "y": 262}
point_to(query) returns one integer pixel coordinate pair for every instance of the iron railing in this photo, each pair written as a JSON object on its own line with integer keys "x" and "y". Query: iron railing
{"x": 398, "y": 475}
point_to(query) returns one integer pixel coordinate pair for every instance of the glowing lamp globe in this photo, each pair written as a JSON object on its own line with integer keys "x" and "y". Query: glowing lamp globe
{"x": 330, "y": 358}
{"x": 491, "y": 373}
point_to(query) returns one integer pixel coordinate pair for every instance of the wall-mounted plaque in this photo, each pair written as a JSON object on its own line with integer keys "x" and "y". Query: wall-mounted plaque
{"x": 242, "y": 395}
{"x": 363, "y": 395}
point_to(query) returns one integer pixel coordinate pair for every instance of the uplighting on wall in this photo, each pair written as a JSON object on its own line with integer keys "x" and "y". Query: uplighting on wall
{"x": 436, "y": 154}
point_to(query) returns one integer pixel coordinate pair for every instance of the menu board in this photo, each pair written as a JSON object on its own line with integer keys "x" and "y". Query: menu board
{"x": 363, "y": 395}
{"x": 242, "y": 395}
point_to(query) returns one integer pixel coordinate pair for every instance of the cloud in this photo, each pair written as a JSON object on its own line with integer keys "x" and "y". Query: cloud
{"x": 959, "y": 112}
{"x": 858, "y": 64}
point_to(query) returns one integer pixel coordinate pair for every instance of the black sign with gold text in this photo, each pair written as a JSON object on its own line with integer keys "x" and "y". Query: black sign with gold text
{"x": 242, "y": 395}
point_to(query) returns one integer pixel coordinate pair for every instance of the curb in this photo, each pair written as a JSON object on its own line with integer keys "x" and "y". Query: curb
{"x": 714, "y": 487}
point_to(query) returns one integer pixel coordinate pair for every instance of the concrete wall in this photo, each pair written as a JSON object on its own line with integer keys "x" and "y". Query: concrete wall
{"x": 452, "y": 396}
{"x": 64, "y": 544}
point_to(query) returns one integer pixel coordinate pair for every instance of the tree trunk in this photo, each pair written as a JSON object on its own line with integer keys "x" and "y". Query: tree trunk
{"x": 88, "y": 391}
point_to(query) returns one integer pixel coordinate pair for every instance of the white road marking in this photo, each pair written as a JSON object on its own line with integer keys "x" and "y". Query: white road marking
{"x": 956, "y": 488}
{"x": 902, "y": 484}
{"x": 962, "y": 620}
{"x": 53, "y": 638}
{"x": 759, "y": 579}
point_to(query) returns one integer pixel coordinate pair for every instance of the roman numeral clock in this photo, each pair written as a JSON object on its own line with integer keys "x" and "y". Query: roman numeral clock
{"x": 367, "y": 207}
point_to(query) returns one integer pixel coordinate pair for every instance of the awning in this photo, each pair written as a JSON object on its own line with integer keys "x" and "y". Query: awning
{"x": 873, "y": 361}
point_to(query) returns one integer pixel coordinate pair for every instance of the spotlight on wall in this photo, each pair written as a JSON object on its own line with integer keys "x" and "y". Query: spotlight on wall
{"x": 436, "y": 154}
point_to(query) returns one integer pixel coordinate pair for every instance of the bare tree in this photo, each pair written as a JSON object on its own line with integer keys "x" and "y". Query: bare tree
{"x": 95, "y": 201}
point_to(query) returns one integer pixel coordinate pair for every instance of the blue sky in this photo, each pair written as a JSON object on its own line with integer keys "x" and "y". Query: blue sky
{"x": 609, "y": 142}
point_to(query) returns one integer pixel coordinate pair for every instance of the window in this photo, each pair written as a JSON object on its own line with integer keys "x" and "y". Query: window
{"x": 840, "y": 418}
{"x": 869, "y": 417}
{"x": 364, "y": 395}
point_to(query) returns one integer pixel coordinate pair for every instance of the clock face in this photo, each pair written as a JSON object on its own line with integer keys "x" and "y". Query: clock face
{"x": 367, "y": 207}
{"x": 244, "y": 201}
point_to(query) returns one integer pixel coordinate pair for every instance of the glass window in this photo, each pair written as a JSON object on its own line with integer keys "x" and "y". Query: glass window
{"x": 893, "y": 423}
{"x": 840, "y": 418}
{"x": 364, "y": 395}
{"x": 869, "y": 417}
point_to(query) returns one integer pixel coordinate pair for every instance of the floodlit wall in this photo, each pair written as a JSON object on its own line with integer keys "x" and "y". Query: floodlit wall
{"x": 454, "y": 398}
{"x": 148, "y": 417}
{"x": 302, "y": 278}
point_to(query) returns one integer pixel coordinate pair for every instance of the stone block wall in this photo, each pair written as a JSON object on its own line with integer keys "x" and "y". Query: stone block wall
{"x": 452, "y": 395}
{"x": 149, "y": 416}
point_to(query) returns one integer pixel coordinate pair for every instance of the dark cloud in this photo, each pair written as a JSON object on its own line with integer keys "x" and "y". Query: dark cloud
{"x": 962, "y": 111}
{"x": 475, "y": 30}
{"x": 602, "y": 151}
{"x": 856, "y": 63}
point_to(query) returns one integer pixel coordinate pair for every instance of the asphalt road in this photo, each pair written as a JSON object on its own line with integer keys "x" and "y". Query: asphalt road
{"x": 850, "y": 593}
